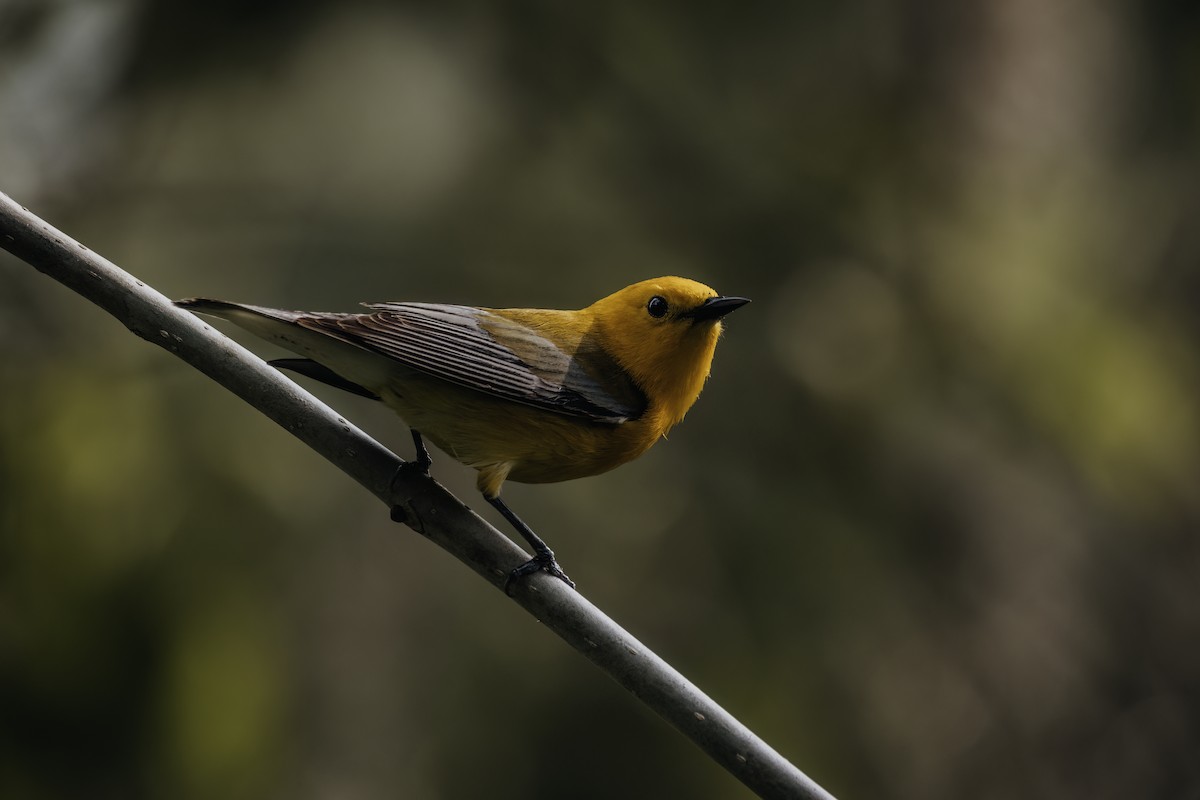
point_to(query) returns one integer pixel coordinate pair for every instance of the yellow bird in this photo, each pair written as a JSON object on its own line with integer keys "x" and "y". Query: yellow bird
{"x": 525, "y": 394}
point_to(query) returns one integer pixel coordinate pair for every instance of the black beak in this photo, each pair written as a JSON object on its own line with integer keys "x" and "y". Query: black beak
{"x": 715, "y": 308}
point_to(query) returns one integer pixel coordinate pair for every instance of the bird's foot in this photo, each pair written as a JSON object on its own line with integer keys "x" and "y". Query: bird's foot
{"x": 423, "y": 461}
{"x": 419, "y": 465}
{"x": 543, "y": 561}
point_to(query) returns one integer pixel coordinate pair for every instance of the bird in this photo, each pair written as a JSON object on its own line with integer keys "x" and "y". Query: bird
{"x": 523, "y": 394}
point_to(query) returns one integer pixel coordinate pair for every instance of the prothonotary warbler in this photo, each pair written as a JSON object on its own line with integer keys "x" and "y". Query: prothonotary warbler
{"x": 525, "y": 394}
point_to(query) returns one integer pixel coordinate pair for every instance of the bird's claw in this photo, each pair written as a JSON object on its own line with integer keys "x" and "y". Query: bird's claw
{"x": 421, "y": 468}
{"x": 420, "y": 465}
{"x": 541, "y": 562}
{"x": 423, "y": 461}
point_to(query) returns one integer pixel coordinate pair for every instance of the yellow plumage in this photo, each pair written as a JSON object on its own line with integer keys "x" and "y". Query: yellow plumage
{"x": 526, "y": 445}
{"x": 531, "y": 395}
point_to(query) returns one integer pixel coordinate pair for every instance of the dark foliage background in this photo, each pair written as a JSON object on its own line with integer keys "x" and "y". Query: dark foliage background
{"x": 931, "y": 530}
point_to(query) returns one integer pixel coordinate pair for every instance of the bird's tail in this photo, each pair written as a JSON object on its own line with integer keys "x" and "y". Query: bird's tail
{"x": 237, "y": 312}
{"x": 333, "y": 360}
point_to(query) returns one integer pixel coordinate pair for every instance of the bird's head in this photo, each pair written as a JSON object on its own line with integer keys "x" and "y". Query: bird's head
{"x": 663, "y": 333}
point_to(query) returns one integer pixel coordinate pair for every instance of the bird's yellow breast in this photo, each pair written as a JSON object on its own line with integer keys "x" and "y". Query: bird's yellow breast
{"x": 509, "y": 441}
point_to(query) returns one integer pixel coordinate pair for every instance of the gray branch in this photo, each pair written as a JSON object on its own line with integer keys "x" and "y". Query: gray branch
{"x": 430, "y": 510}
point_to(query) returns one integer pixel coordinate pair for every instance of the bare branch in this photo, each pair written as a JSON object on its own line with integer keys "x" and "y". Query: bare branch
{"x": 430, "y": 509}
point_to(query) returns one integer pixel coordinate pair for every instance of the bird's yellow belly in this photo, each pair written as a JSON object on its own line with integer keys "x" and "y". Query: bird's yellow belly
{"x": 506, "y": 440}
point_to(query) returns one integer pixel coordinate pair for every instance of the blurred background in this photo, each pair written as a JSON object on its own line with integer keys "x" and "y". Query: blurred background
{"x": 931, "y": 530}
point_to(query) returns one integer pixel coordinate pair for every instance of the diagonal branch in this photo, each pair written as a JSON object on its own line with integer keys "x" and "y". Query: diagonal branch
{"x": 429, "y": 509}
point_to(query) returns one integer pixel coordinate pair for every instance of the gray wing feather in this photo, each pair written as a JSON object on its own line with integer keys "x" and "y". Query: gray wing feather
{"x": 456, "y": 344}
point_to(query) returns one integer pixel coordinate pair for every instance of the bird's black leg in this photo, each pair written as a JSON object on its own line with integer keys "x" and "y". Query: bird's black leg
{"x": 421, "y": 464}
{"x": 543, "y": 556}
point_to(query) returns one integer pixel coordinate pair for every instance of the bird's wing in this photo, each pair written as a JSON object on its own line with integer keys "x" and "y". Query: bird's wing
{"x": 480, "y": 350}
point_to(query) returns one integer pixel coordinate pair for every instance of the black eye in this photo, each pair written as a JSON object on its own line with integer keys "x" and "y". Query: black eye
{"x": 657, "y": 307}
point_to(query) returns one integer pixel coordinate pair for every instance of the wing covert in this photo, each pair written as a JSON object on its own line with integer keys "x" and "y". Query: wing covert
{"x": 483, "y": 351}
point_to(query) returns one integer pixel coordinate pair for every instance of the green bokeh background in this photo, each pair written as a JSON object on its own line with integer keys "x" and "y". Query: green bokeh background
{"x": 931, "y": 530}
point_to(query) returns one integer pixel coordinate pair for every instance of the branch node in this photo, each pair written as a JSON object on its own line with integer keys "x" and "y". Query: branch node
{"x": 404, "y": 513}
